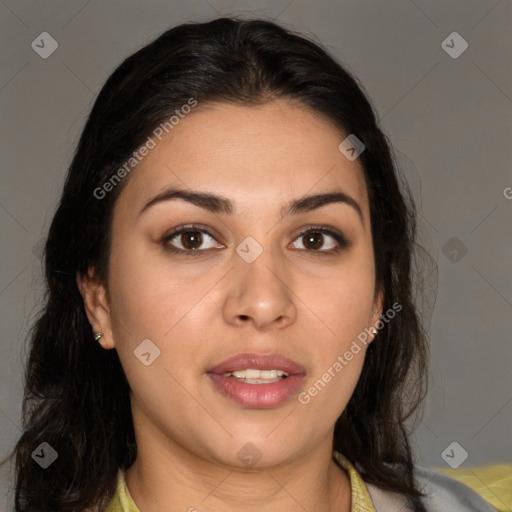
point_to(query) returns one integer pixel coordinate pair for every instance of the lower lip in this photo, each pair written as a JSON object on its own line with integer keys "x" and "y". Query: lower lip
{"x": 257, "y": 396}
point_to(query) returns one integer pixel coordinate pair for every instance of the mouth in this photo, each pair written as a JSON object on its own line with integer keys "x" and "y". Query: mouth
{"x": 257, "y": 381}
{"x": 253, "y": 376}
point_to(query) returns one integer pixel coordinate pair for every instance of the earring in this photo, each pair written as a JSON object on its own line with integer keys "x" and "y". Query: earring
{"x": 98, "y": 336}
{"x": 373, "y": 331}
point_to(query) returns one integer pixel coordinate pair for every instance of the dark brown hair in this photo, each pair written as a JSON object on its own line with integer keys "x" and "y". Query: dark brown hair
{"x": 76, "y": 394}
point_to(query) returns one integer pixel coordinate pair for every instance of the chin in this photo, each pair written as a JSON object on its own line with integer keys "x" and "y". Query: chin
{"x": 254, "y": 452}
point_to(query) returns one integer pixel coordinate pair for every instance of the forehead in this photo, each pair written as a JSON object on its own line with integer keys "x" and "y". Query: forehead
{"x": 269, "y": 152}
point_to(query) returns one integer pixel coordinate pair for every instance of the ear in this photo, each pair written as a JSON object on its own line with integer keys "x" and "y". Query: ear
{"x": 378, "y": 305}
{"x": 96, "y": 306}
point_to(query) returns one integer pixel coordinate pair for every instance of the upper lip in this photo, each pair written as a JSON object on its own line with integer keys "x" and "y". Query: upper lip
{"x": 258, "y": 362}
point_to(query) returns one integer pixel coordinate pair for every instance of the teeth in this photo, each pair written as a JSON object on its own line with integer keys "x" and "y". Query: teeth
{"x": 252, "y": 376}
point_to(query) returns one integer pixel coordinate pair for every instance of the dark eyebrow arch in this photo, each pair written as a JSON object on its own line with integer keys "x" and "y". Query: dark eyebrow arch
{"x": 219, "y": 204}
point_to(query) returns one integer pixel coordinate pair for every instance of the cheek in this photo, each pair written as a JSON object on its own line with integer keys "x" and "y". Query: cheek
{"x": 337, "y": 363}
{"x": 152, "y": 300}
{"x": 149, "y": 296}
{"x": 344, "y": 304}
{"x": 346, "y": 300}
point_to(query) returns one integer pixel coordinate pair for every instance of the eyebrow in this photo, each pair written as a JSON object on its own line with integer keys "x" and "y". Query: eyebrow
{"x": 219, "y": 204}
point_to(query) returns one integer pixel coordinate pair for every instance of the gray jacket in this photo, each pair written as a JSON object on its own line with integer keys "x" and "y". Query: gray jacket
{"x": 444, "y": 494}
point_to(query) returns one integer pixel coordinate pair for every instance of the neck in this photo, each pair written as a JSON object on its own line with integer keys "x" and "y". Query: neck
{"x": 173, "y": 478}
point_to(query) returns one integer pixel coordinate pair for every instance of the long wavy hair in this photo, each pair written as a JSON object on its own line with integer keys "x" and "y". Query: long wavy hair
{"x": 76, "y": 396}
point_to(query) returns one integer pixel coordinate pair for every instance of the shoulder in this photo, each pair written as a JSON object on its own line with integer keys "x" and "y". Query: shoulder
{"x": 443, "y": 494}
{"x": 492, "y": 481}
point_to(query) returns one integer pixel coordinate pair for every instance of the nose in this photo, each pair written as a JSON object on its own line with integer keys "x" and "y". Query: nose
{"x": 260, "y": 293}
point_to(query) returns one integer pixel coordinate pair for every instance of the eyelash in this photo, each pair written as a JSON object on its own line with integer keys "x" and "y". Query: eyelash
{"x": 338, "y": 237}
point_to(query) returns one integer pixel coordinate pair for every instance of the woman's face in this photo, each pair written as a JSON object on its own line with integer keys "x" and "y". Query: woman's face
{"x": 244, "y": 282}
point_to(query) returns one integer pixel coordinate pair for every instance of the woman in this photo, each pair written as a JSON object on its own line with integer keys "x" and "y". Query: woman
{"x": 229, "y": 321}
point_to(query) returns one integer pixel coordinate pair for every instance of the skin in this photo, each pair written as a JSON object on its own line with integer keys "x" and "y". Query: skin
{"x": 200, "y": 310}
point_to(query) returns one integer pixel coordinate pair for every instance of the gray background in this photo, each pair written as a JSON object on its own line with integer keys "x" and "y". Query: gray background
{"x": 449, "y": 119}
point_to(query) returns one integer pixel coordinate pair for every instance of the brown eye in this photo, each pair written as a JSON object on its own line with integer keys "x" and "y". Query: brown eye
{"x": 191, "y": 239}
{"x": 313, "y": 240}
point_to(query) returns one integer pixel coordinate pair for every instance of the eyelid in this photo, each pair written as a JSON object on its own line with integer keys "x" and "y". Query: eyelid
{"x": 339, "y": 237}
{"x": 190, "y": 227}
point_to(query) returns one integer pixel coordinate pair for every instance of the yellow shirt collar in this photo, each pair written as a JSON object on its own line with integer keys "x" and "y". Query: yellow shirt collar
{"x": 361, "y": 501}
